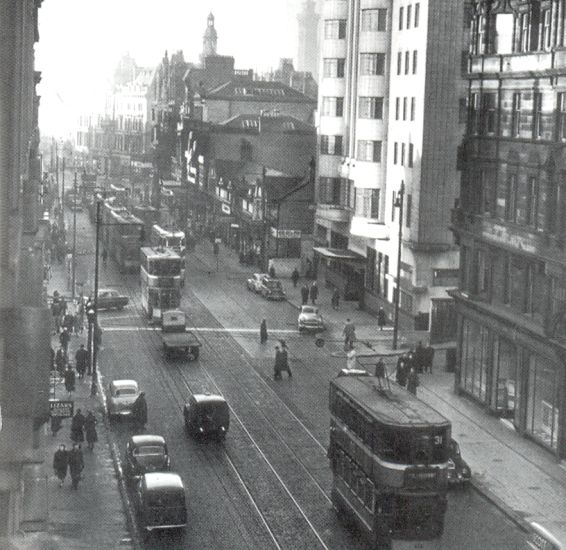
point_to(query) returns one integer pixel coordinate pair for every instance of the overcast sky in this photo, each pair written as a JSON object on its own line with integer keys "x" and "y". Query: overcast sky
{"x": 82, "y": 40}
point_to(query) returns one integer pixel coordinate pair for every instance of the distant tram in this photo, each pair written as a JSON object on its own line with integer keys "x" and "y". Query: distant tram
{"x": 168, "y": 238}
{"x": 160, "y": 278}
{"x": 389, "y": 457}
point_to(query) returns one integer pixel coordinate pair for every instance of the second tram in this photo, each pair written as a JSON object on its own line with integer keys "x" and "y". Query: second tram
{"x": 389, "y": 457}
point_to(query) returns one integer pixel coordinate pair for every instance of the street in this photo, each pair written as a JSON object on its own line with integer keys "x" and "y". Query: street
{"x": 268, "y": 485}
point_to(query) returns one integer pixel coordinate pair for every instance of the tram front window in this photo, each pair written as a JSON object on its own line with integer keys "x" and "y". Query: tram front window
{"x": 412, "y": 447}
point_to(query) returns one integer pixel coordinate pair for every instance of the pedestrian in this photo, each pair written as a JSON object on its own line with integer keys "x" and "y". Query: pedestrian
{"x": 61, "y": 463}
{"x": 381, "y": 318}
{"x": 305, "y": 293}
{"x": 295, "y": 277}
{"x": 79, "y": 317}
{"x": 81, "y": 361}
{"x": 277, "y": 365}
{"x": 401, "y": 372}
{"x": 349, "y": 334}
{"x": 420, "y": 358}
{"x": 429, "y": 358}
{"x": 60, "y": 361}
{"x": 69, "y": 322}
{"x": 284, "y": 359}
{"x": 64, "y": 338}
{"x": 380, "y": 368}
{"x": 52, "y": 358}
{"x": 272, "y": 271}
{"x": 413, "y": 381}
{"x": 56, "y": 312}
{"x": 76, "y": 465}
{"x": 70, "y": 380}
{"x": 77, "y": 427}
{"x": 90, "y": 430}
{"x": 263, "y": 331}
{"x": 314, "y": 293}
{"x": 309, "y": 270}
{"x": 63, "y": 306}
{"x": 104, "y": 256}
{"x": 335, "y": 298}
{"x": 351, "y": 358}
{"x": 139, "y": 410}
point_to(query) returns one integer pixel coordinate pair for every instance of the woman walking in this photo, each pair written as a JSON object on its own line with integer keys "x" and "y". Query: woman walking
{"x": 77, "y": 426}
{"x": 90, "y": 430}
{"x": 61, "y": 463}
{"x": 76, "y": 465}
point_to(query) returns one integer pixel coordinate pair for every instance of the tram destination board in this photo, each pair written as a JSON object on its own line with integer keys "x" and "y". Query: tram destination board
{"x": 60, "y": 408}
{"x": 421, "y": 478}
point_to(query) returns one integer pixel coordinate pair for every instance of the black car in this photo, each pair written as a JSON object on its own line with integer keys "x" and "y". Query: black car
{"x": 207, "y": 414}
{"x": 146, "y": 453}
{"x": 459, "y": 473}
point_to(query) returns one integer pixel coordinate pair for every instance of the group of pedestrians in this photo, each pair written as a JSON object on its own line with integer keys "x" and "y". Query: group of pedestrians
{"x": 72, "y": 461}
{"x": 413, "y": 363}
{"x": 309, "y": 292}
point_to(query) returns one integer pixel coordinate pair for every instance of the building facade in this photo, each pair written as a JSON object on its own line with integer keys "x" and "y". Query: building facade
{"x": 25, "y": 335}
{"x": 390, "y": 97}
{"x": 509, "y": 223}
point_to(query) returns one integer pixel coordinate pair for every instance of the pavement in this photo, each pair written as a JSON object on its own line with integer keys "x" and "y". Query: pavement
{"x": 517, "y": 475}
{"x": 92, "y": 517}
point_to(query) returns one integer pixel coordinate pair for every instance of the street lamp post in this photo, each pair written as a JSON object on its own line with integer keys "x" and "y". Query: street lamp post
{"x": 265, "y": 259}
{"x": 93, "y": 325}
{"x": 398, "y": 204}
{"x": 74, "y": 266}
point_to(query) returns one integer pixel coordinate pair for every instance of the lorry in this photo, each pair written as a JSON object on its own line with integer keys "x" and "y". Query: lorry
{"x": 177, "y": 340}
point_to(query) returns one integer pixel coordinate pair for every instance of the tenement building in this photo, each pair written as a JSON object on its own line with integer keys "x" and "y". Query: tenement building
{"x": 389, "y": 120}
{"x": 510, "y": 222}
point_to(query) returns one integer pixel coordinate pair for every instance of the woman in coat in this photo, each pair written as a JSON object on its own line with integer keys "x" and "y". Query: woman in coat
{"x": 76, "y": 465}
{"x": 263, "y": 332}
{"x": 77, "y": 426}
{"x": 61, "y": 463}
{"x": 90, "y": 430}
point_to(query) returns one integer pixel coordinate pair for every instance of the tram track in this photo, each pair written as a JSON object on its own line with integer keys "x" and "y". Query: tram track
{"x": 289, "y": 536}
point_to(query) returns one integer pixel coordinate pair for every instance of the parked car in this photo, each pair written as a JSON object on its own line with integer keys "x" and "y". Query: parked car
{"x": 310, "y": 319}
{"x": 110, "y": 298}
{"x": 160, "y": 501}
{"x": 255, "y": 281}
{"x": 145, "y": 453}
{"x": 459, "y": 473}
{"x": 272, "y": 289}
{"x": 207, "y": 414}
{"x": 121, "y": 397}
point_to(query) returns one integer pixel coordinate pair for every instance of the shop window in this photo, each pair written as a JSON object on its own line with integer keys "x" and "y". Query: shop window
{"x": 504, "y": 377}
{"x": 474, "y": 359}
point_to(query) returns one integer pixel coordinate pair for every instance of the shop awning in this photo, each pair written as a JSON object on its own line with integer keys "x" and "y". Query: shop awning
{"x": 339, "y": 254}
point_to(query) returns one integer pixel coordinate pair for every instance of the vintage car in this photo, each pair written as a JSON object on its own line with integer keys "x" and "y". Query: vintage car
{"x": 255, "y": 281}
{"x": 160, "y": 501}
{"x": 459, "y": 473}
{"x": 121, "y": 397}
{"x": 272, "y": 289}
{"x": 310, "y": 319}
{"x": 109, "y": 298}
{"x": 145, "y": 453}
{"x": 207, "y": 414}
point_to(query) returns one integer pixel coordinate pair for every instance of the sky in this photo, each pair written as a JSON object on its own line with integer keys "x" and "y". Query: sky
{"x": 81, "y": 42}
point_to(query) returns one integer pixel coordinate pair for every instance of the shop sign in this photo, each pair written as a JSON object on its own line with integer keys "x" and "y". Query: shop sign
{"x": 235, "y": 225}
{"x": 286, "y": 233}
{"x": 62, "y": 409}
{"x": 226, "y": 209}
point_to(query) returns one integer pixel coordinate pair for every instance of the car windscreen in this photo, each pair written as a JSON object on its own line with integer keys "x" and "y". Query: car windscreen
{"x": 123, "y": 392}
{"x": 310, "y": 310}
{"x": 274, "y": 285}
{"x": 149, "y": 450}
{"x": 166, "y": 498}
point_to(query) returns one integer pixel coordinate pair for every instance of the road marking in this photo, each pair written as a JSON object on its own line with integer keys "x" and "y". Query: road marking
{"x": 199, "y": 329}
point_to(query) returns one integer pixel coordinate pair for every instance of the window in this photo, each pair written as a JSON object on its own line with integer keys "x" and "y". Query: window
{"x": 399, "y": 62}
{"x": 531, "y": 215}
{"x": 331, "y": 145}
{"x": 415, "y": 55}
{"x": 522, "y": 32}
{"x": 404, "y": 108}
{"x": 371, "y": 107}
{"x": 369, "y": 150}
{"x": 445, "y": 277}
{"x": 401, "y": 18}
{"x": 395, "y": 153}
{"x": 511, "y": 198}
{"x": 372, "y": 63}
{"x": 374, "y": 20}
{"x": 367, "y": 203}
{"x": 417, "y": 13}
{"x": 333, "y": 68}
{"x": 516, "y": 115}
{"x": 409, "y": 208}
{"x": 409, "y": 16}
{"x": 473, "y": 113}
{"x": 397, "y": 107}
{"x": 407, "y": 57}
{"x": 537, "y": 115}
{"x": 332, "y": 106}
{"x": 335, "y": 28}
{"x": 562, "y": 115}
{"x": 402, "y": 154}
{"x": 410, "y": 156}
{"x": 374, "y": 214}
{"x": 545, "y": 34}
{"x": 413, "y": 108}
{"x": 488, "y": 113}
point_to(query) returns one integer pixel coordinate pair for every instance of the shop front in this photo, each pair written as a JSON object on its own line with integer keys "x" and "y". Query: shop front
{"x": 341, "y": 268}
{"x": 515, "y": 375}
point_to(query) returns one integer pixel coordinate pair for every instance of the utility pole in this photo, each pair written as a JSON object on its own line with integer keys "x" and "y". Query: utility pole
{"x": 95, "y": 338}
{"x": 74, "y": 268}
{"x": 398, "y": 204}
{"x": 265, "y": 222}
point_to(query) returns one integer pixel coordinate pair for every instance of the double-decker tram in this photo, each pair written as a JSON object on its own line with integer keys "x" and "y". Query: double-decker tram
{"x": 122, "y": 236}
{"x": 389, "y": 457}
{"x": 149, "y": 216}
{"x": 160, "y": 278}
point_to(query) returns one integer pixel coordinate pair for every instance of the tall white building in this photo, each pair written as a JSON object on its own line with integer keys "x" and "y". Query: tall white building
{"x": 390, "y": 112}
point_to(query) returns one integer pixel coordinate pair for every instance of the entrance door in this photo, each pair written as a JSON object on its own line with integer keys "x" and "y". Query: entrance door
{"x": 4, "y": 513}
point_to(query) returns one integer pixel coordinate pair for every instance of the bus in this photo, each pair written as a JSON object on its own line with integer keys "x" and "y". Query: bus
{"x": 389, "y": 458}
{"x": 122, "y": 236}
{"x": 160, "y": 279}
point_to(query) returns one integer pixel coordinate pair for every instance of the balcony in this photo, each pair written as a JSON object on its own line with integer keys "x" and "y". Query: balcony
{"x": 334, "y": 213}
{"x": 532, "y": 62}
{"x": 370, "y": 229}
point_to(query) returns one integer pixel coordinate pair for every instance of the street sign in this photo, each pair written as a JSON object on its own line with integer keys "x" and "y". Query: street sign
{"x": 62, "y": 409}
